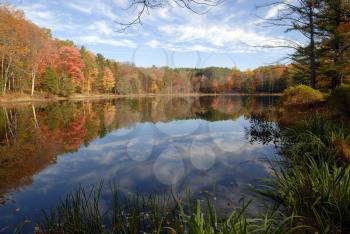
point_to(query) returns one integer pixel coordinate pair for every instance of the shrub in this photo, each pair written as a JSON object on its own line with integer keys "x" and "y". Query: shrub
{"x": 301, "y": 95}
{"x": 340, "y": 99}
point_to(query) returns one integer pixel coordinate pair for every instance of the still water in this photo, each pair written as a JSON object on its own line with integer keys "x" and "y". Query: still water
{"x": 217, "y": 147}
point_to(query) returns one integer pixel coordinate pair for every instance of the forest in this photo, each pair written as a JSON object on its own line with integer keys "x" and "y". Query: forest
{"x": 32, "y": 61}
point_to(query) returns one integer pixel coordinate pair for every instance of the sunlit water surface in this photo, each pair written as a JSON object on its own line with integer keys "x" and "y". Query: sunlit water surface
{"x": 217, "y": 147}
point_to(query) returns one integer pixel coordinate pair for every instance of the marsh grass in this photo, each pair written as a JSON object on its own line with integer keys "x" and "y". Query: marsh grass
{"x": 81, "y": 212}
{"x": 315, "y": 181}
{"x": 318, "y": 138}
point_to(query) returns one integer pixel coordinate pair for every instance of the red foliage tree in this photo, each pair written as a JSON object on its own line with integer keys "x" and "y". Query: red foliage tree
{"x": 215, "y": 86}
{"x": 229, "y": 84}
{"x": 72, "y": 63}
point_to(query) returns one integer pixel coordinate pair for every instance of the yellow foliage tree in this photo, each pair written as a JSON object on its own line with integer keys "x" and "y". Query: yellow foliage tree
{"x": 108, "y": 80}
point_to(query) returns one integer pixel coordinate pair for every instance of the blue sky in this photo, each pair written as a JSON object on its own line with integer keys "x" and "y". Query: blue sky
{"x": 226, "y": 36}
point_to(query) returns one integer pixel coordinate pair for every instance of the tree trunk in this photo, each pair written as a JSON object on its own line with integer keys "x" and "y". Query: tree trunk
{"x": 33, "y": 81}
{"x": 337, "y": 77}
{"x": 6, "y": 75}
{"x": 2, "y": 69}
{"x": 312, "y": 49}
{"x": 35, "y": 119}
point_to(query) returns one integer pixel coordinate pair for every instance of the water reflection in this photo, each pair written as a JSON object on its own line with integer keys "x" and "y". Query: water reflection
{"x": 213, "y": 145}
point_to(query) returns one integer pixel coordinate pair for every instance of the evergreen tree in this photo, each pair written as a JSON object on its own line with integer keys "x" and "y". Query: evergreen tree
{"x": 67, "y": 86}
{"x": 301, "y": 16}
{"x": 50, "y": 81}
{"x": 334, "y": 21}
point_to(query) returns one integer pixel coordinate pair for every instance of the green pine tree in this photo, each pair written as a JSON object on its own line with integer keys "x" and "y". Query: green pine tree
{"x": 67, "y": 86}
{"x": 50, "y": 81}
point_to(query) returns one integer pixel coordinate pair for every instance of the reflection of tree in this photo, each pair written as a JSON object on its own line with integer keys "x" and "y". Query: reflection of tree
{"x": 31, "y": 139}
{"x": 262, "y": 130}
{"x": 74, "y": 134}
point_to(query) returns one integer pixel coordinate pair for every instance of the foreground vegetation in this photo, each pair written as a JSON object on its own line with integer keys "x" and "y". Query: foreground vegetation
{"x": 81, "y": 212}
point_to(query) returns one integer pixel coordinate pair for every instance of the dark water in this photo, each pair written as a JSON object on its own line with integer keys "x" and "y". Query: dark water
{"x": 214, "y": 146}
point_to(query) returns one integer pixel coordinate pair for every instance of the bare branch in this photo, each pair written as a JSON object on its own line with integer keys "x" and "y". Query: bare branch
{"x": 143, "y": 7}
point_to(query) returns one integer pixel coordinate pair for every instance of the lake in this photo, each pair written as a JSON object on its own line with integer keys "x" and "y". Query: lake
{"x": 215, "y": 146}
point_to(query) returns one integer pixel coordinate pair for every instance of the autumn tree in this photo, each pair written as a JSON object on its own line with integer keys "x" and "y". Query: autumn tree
{"x": 13, "y": 48}
{"x": 72, "y": 64}
{"x": 229, "y": 84}
{"x": 90, "y": 69}
{"x": 98, "y": 82}
{"x": 115, "y": 68}
{"x": 215, "y": 86}
{"x": 237, "y": 79}
{"x": 38, "y": 51}
{"x": 108, "y": 80}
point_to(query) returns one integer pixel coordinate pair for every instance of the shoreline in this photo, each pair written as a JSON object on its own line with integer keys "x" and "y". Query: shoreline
{"x": 22, "y": 98}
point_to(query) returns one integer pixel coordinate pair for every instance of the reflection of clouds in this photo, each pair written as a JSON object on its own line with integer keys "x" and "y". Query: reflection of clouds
{"x": 101, "y": 146}
{"x": 141, "y": 160}
{"x": 122, "y": 132}
{"x": 233, "y": 143}
{"x": 139, "y": 149}
{"x": 229, "y": 135}
{"x": 169, "y": 167}
{"x": 179, "y": 128}
{"x": 92, "y": 175}
{"x": 202, "y": 155}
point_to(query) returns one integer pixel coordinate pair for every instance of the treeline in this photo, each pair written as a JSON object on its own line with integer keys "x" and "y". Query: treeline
{"x": 268, "y": 79}
{"x": 32, "y": 60}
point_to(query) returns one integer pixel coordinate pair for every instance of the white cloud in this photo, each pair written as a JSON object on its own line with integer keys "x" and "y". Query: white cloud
{"x": 153, "y": 44}
{"x": 276, "y": 9}
{"x": 218, "y": 37}
{"x": 93, "y": 39}
{"x": 93, "y": 7}
{"x": 102, "y": 27}
{"x": 121, "y": 3}
{"x": 38, "y": 12}
{"x": 84, "y": 8}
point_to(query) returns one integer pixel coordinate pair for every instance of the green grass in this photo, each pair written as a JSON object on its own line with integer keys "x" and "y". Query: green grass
{"x": 81, "y": 212}
{"x": 315, "y": 180}
{"x": 319, "y": 139}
